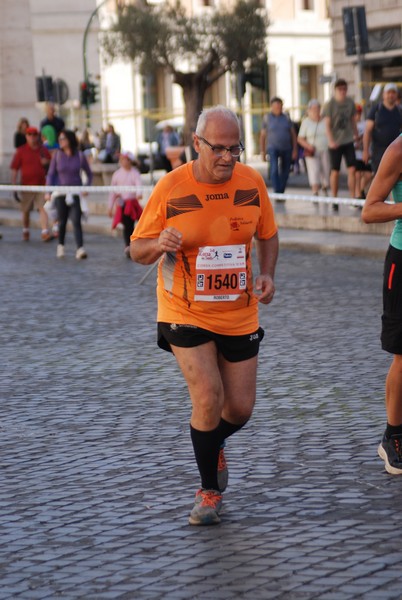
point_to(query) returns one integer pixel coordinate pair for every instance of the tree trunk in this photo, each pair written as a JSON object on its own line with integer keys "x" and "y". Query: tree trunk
{"x": 194, "y": 86}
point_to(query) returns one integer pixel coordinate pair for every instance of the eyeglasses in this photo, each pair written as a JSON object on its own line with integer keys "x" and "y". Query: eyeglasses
{"x": 220, "y": 151}
{"x": 31, "y": 134}
{"x": 61, "y": 138}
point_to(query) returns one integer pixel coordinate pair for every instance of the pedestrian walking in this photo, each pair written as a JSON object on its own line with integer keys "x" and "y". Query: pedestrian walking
{"x": 278, "y": 141}
{"x": 387, "y": 180}
{"x": 313, "y": 138}
{"x": 124, "y": 206}
{"x": 65, "y": 169}
{"x": 339, "y": 114}
{"x": 383, "y": 125}
{"x": 52, "y": 119}
{"x": 31, "y": 161}
{"x": 200, "y": 221}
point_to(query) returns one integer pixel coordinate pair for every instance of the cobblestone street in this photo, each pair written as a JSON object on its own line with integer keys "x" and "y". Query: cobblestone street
{"x": 97, "y": 469}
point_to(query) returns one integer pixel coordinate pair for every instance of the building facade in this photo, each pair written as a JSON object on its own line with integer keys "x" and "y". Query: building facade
{"x": 42, "y": 41}
{"x": 60, "y": 41}
{"x": 367, "y": 41}
{"x": 299, "y": 51}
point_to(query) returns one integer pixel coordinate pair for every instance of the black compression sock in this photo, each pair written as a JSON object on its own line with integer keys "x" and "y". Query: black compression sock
{"x": 226, "y": 429}
{"x": 393, "y": 430}
{"x": 206, "y": 446}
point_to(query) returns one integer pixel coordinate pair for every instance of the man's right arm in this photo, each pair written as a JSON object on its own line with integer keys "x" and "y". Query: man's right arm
{"x": 148, "y": 250}
{"x": 367, "y": 136}
{"x": 14, "y": 174}
{"x": 328, "y": 129}
{"x": 263, "y": 142}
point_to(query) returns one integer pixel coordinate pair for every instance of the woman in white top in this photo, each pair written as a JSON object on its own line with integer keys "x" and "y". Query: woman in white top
{"x": 313, "y": 138}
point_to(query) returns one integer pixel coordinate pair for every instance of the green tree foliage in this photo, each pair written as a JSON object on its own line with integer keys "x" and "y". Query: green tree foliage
{"x": 196, "y": 50}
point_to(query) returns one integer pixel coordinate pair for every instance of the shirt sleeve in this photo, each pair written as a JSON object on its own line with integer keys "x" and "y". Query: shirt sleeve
{"x": 266, "y": 227}
{"x": 16, "y": 161}
{"x": 52, "y": 172}
{"x": 153, "y": 218}
{"x": 372, "y": 112}
{"x": 303, "y": 129}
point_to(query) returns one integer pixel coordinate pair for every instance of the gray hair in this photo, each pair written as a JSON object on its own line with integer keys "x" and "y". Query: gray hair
{"x": 313, "y": 102}
{"x": 219, "y": 110}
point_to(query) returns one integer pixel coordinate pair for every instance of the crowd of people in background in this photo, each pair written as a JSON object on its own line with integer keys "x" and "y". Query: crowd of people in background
{"x": 53, "y": 155}
{"x": 328, "y": 135}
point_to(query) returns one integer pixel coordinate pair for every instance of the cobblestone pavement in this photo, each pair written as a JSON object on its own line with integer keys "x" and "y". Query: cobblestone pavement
{"x": 97, "y": 472}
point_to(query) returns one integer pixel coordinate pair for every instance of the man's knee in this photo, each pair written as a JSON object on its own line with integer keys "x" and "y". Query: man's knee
{"x": 398, "y": 361}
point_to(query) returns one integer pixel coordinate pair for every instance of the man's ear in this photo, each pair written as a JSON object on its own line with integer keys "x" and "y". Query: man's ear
{"x": 196, "y": 143}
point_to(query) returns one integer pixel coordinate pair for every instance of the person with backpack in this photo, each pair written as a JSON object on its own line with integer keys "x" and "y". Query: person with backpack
{"x": 383, "y": 125}
{"x": 65, "y": 169}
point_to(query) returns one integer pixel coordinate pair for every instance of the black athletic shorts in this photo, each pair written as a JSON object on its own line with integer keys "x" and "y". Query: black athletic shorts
{"x": 234, "y": 348}
{"x": 335, "y": 156}
{"x": 391, "y": 334}
{"x": 362, "y": 166}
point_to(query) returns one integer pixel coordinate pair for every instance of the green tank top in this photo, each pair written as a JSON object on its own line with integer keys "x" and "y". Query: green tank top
{"x": 396, "y": 236}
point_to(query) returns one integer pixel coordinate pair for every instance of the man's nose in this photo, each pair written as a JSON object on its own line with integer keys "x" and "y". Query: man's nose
{"x": 227, "y": 156}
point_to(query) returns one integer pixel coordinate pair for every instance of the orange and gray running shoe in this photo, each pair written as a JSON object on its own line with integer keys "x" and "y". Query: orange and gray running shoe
{"x": 223, "y": 472}
{"x": 206, "y": 508}
{"x": 390, "y": 450}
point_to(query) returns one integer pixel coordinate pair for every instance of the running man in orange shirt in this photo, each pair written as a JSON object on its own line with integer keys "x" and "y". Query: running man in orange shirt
{"x": 200, "y": 221}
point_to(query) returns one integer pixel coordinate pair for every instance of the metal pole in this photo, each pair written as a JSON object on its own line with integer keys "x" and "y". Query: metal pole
{"x": 84, "y": 56}
{"x": 358, "y": 54}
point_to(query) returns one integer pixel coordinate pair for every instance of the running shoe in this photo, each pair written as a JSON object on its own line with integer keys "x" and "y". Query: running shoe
{"x": 206, "y": 508}
{"x": 223, "y": 472}
{"x": 60, "y": 251}
{"x": 80, "y": 254}
{"x": 390, "y": 450}
{"x": 46, "y": 236}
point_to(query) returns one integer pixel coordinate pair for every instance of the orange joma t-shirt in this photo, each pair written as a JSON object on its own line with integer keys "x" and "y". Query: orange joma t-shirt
{"x": 209, "y": 282}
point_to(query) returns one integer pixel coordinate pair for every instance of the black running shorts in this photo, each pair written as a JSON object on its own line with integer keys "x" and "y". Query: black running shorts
{"x": 233, "y": 348}
{"x": 391, "y": 334}
{"x": 335, "y": 156}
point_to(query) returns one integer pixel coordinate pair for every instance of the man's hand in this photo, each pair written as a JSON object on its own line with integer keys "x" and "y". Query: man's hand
{"x": 170, "y": 240}
{"x": 265, "y": 288}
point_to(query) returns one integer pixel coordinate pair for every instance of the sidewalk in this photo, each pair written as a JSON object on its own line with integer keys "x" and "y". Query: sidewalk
{"x": 96, "y": 465}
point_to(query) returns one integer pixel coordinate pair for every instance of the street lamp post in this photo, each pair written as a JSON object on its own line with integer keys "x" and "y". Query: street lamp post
{"x": 84, "y": 56}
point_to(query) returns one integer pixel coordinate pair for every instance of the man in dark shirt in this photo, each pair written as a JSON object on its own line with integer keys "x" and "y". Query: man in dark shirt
{"x": 383, "y": 125}
{"x": 52, "y": 119}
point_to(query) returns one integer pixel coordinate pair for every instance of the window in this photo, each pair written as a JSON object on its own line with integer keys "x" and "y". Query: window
{"x": 307, "y": 5}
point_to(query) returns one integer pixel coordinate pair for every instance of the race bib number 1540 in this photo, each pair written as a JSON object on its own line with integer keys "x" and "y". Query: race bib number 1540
{"x": 220, "y": 273}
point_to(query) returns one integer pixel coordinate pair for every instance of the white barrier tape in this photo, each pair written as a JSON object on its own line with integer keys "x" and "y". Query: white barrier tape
{"x": 318, "y": 199}
{"x": 71, "y": 189}
{"x": 146, "y": 190}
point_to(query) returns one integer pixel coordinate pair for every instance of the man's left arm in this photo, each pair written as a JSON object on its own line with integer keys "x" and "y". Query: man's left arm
{"x": 267, "y": 254}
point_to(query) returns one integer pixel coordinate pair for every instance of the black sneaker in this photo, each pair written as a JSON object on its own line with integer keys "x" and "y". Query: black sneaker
{"x": 390, "y": 450}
